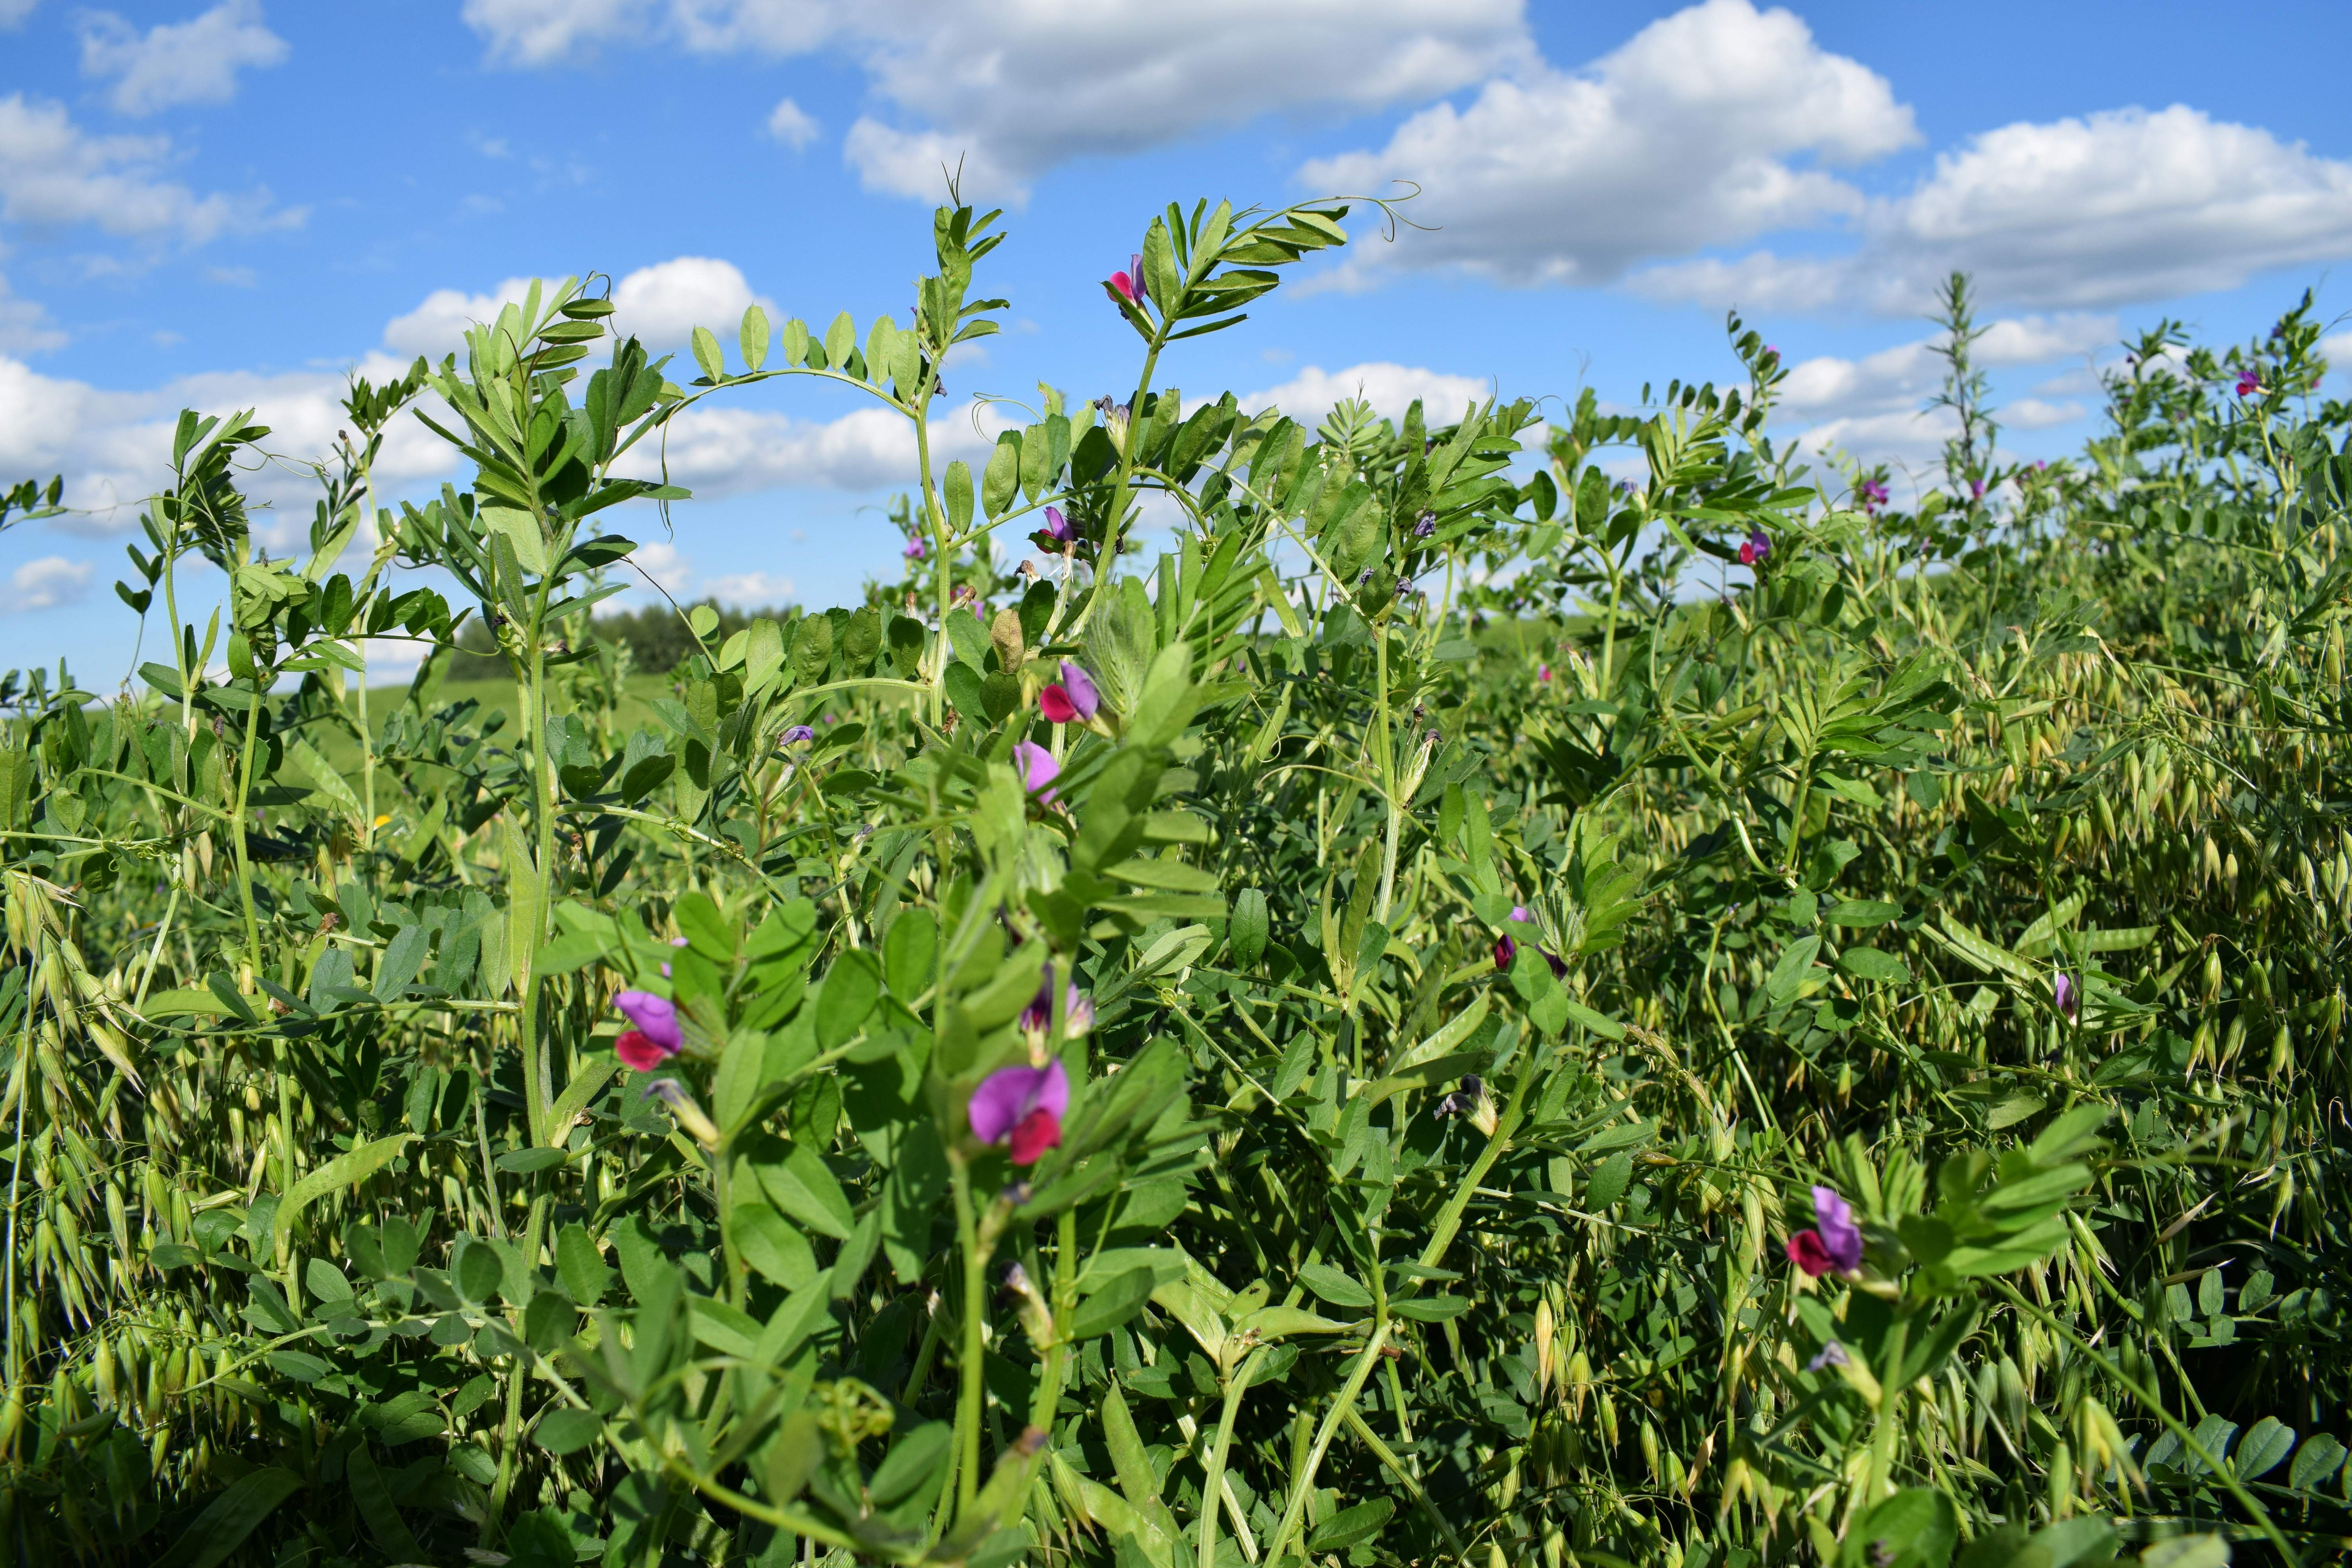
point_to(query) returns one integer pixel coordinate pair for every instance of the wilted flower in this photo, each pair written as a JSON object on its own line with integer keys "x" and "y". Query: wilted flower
{"x": 682, "y": 1107}
{"x": 1131, "y": 284}
{"x": 1024, "y": 1107}
{"x": 1073, "y": 699}
{"x": 2249, "y": 383}
{"x": 1471, "y": 1101}
{"x": 1029, "y": 1306}
{"x": 1404, "y": 586}
{"x": 2068, "y": 999}
{"x": 1424, "y": 525}
{"x": 1835, "y": 1241}
{"x": 1757, "y": 545}
{"x": 656, "y": 1038}
{"x": 1038, "y": 769}
{"x": 1832, "y": 1355}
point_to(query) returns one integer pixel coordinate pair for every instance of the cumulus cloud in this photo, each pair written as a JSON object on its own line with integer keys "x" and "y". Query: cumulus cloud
{"x": 722, "y": 451}
{"x": 2106, "y": 209}
{"x": 1389, "y": 388}
{"x": 195, "y": 61}
{"x": 1706, "y": 128}
{"x": 53, "y": 174}
{"x": 1874, "y": 408}
{"x": 662, "y": 304}
{"x": 750, "y": 590}
{"x": 46, "y": 583}
{"x": 24, "y": 325}
{"x": 792, "y": 125}
{"x": 1015, "y": 89}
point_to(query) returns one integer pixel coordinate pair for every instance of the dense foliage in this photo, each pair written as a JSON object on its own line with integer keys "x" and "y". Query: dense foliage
{"x": 1314, "y": 1047}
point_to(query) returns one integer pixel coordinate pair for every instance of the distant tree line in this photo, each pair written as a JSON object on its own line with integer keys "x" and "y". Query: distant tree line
{"x": 657, "y": 637}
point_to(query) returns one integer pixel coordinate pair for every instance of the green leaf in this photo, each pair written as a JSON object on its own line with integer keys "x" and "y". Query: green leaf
{"x": 1330, "y": 1285}
{"x": 753, "y": 337}
{"x": 1869, "y": 963}
{"x": 706, "y": 354}
{"x": 1608, "y": 1183}
{"x": 2321, "y": 1457}
{"x": 802, "y": 1186}
{"x": 585, "y": 1275}
{"x": 1110, "y": 1306}
{"x": 1352, "y": 1525}
{"x": 223, "y": 1527}
{"x": 1916, "y": 1528}
{"x": 2266, "y": 1443}
{"x": 567, "y": 1430}
{"x": 344, "y": 1171}
{"x": 847, "y": 999}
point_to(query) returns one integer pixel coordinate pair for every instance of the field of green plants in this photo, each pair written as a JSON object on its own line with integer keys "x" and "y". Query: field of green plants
{"x": 1473, "y": 1011}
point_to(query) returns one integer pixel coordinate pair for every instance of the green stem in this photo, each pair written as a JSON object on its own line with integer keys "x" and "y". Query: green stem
{"x": 510, "y": 1431}
{"x": 1396, "y": 1467}
{"x": 975, "y": 1310}
{"x": 1213, "y": 1492}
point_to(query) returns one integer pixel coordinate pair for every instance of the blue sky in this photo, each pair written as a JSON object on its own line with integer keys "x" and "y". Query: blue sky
{"x": 231, "y": 206}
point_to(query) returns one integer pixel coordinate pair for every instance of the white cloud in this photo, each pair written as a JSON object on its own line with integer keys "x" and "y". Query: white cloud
{"x": 46, "y": 583}
{"x": 2111, "y": 208}
{"x": 2033, "y": 414}
{"x": 178, "y": 62}
{"x": 14, "y": 12}
{"x": 1013, "y": 89}
{"x": 2338, "y": 351}
{"x": 24, "y": 325}
{"x": 750, "y": 590}
{"x": 112, "y": 447}
{"x": 1688, "y": 135}
{"x": 792, "y": 125}
{"x": 662, "y": 304}
{"x": 54, "y": 175}
{"x": 1389, "y": 388}
{"x": 720, "y": 451}
{"x": 1901, "y": 376}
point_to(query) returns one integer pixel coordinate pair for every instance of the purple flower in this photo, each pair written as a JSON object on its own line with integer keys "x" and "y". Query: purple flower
{"x": 2068, "y": 999}
{"x": 1471, "y": 1101}
{"x": 1077, "y": 1012}
{"x": 1832, "y": 1355}
{"x": 2249, "y": 383}
{"x": 674, "y": 941}
{"x": 1038, "y": 769}
{"x": 1975, "y": 489}
{"x": 1074, "y": 697}
{"x": 1873, "y": 495}
{"x": 1057, "y": 527}
{"x": 916, "y": 550}
{"x": 657, "y": 1037}
{"x": 1543, "y": 672}
{"x": 1758, "y": 546}
{"x": 1833, "y": 1217}
{"x": 1424, "y": 525}
{"x": 798, "y": 735}
{"x": 1023, "y": 1106}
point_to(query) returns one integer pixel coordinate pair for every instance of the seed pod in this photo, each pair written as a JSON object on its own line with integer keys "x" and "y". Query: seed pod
{"x": 2282, "y": 1051}
{"x": 2212, "y": 975}
{"x": 1650, "y": 1453}
{"x": 2062, "y": 1480}
{"x": 1543, "y": 1346}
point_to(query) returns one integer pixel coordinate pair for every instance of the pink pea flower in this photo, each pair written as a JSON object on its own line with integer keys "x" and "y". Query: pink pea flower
{"x": 1506, "y": 948}
{"x": 1757, "y": 545}
{"x": 2068, "y": 999}
{"x": 1038, "y": 769}
{"x": 2249, "y": 383}
{"x": 1021, "y": 1107}
{"x": 656, "y": 1038}
{"x": 1129, "y": 284}
{"x": 1873, "y": 495}
{"x": 1074, "y": 698}
{"x": 1543, "y": 672}
{"x": 1834, "y": 1243}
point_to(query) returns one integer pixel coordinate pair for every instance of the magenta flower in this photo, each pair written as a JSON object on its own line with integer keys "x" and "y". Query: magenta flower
{"x": 1057, "y": 528}
{"x": 1077, "y": 1011}
{"x": 657, "y": 1037}
{"x": 1873, "y": 495}
{"x": 1038, "y": 769}
{"x": 2249, "y": 383}
{"x": 1834, "y": 1243}
{"x": 1073, "y": 699}
{"x": 1759, "y": 544}
{"x": 916, "y": 550}
{"x": 2068, "y": 999}
{"x": 1129, "y": 284}
{"x": 1975, "y": 489}
{"x": 1024, "y": 1107}
{"x": 1543, "y": 672}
